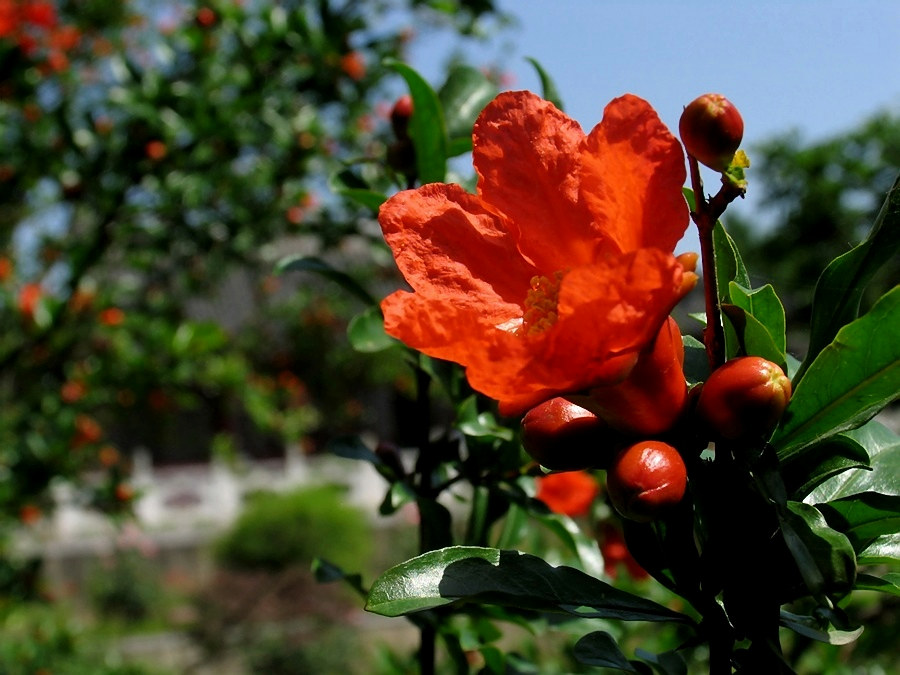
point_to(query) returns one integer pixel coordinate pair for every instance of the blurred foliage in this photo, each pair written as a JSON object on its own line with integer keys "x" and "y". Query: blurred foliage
{"x": 276, "y": 531}
{"x": 821, "y": 198}
{"x": 158, "y": 157}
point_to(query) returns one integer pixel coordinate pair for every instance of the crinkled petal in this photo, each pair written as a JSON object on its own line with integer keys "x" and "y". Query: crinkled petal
{"x": 462, "y": 264}
{"x": 632, "y": 172}
{"x": 526, "y": 153}
{"x": 446, "y": 242}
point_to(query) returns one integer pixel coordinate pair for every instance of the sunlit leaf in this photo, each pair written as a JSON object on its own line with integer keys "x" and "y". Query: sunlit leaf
{"x": 804, "y": 472}
{"x": 863, "y": 517}
{"x": 851, "y": 380}
{"x": 808, "y": 626}
{"x": 884, "y": 550}
{"x": 888, "y": 583}
{"x": 549, "y": 91}
{"x": 508, "y": 578}
{"x": 883, "y": 448}
{"x": 426, "y": 127}
{"x": 753, "y": 338}
{"x": 764, "y": 304}
{"x": 366, "y": 332}
{"x": 824, "y": 556}
{"x": 463, "y": 96}
{"x": 840, "y": 288}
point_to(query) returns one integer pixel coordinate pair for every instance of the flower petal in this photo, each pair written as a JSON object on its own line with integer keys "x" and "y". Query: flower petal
{"x": 632, "y": 171}
{"x": 608, "y": 313}
{"x": 462, "y": 264}
{"x": 446, "y": 241}
{"x": 526, "y": 154}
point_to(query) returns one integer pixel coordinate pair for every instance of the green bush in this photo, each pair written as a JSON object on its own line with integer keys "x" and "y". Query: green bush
{"x": 277, "y": 531}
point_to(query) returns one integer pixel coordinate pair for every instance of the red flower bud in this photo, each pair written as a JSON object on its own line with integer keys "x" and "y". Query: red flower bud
{"x": 646, "y": 480}
{"x": 744, "y": 398}
{"x": 711, "y": 129}
{"x": 400, "y": 114}
{"x": 564, "y": 437}
{"x": 653, "y": 396}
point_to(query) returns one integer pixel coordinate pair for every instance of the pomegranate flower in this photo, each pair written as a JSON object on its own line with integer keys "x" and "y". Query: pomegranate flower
{"x": 556, "y": 274}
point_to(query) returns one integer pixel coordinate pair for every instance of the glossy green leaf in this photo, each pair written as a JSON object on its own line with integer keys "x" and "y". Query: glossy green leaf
{"x": 426, "y": 126}
{"x": 752, "y": 337}
{"x": 548, "y": 88}
{"x": 324, "y": 269}
{"x": 840, "y": 288}
{"x": 764, "y": 304}
{"x": 884, "y": 550}
{"x": 366, "y": 332}
{"x": 863, "y": 517}
{"x": 729, "y": 265}
{"x": 888, "y": 583}
{"x": 807, "y": 471}
{"x": 600, "y": 649}
{"x": 825, "y": 557}
{"x": 507, "y": 578}
{"x": 463, "y": 96}
{"x": 883, "y": 448}
{"x": 809, "y": 626}
{"x": 474, "y": 423}
{"x": 851, "y": 380}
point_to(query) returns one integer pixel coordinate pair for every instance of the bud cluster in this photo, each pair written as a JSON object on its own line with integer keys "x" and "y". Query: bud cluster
{"x": 640, "y": 429}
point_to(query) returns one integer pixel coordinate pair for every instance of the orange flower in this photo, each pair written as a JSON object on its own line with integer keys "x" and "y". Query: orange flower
{"x": 559, "y": 271}
{"x": 570, "y": 492}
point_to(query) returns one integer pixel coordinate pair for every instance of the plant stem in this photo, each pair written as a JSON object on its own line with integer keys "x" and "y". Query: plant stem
{"x": 705, "y": 214}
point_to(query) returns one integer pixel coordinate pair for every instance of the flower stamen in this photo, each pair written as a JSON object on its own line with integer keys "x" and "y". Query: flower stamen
{"x": 541, "y": 303}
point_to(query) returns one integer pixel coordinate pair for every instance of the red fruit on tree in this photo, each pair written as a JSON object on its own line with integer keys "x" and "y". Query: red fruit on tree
{"x": 744, "y": 398}
{"x": 646, "y": 480}
{"x": 563, "y": 436}
{"x": 711, "y": 129}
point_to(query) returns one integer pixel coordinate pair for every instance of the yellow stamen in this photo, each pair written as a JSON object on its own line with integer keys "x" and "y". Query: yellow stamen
{"x": 541, "y": 303}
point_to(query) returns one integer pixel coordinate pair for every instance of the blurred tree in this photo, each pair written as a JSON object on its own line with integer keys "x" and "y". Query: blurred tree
{"x": 158, "y": 157}
{"x": 823, "y": 198}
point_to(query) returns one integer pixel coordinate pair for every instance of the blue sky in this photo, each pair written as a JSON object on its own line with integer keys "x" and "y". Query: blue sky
{"x": 818, "y": 66}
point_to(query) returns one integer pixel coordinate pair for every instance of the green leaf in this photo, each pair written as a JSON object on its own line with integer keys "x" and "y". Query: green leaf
{"x": 863, "y": 517}
{"x": 549, "y": 91}
{"x": 825, "y": 557}
{"x": 326, "y": 572}
{"x": 851, "y": 380}
{"x": 600, "y": 649}
{"x": 729, "y": 265}
{"x": 884, "y": 550}
{"x": 667, "y": 663}
{"x": 889, "y": 583}
{"x": 426, "y": 127}
{"x": 764, "y": 305}
{"x": 696, "y": 363}
{"x": 809, "y": 626}
{"x": 323, "y": 269}
{"x": 474, "y": 423}
{"x": 883, "y": 448}
{"x": 463, "y": 96}
{"x": 574, "y": 538}
{"x": 349, "y": 185}
{"x": 751, "y": 336}
{"x": 806, "y": 471}
{"x": 366, "y": 332}
{"x": 841, "y": 285}
{"x": 508, "y": 578}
